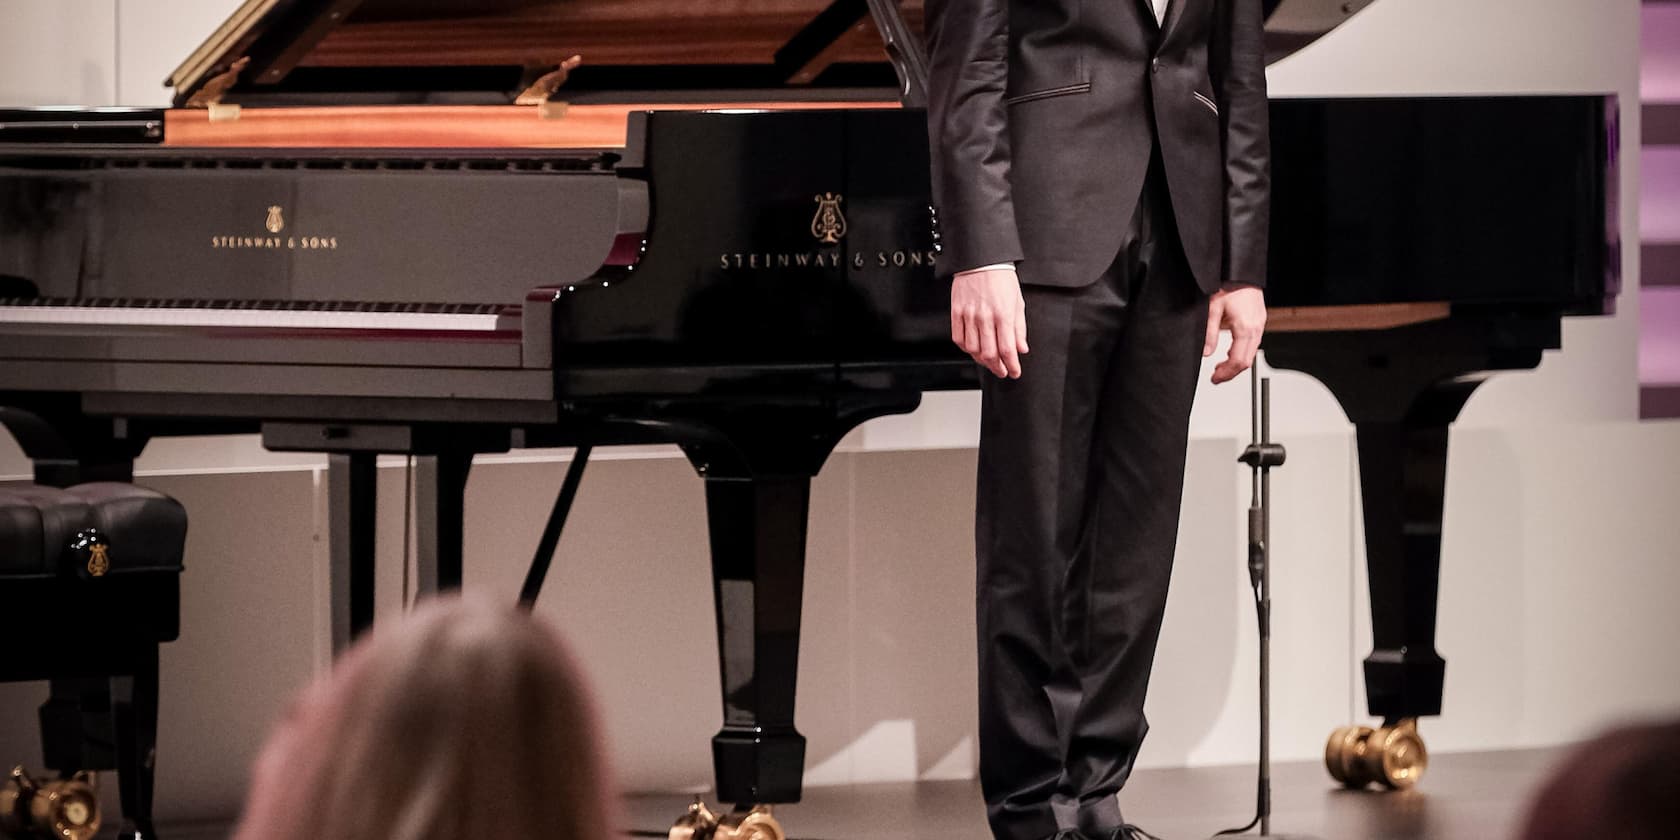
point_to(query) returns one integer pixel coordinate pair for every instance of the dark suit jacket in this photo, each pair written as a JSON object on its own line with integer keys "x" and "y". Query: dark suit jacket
{"x": 1040, "y": 119}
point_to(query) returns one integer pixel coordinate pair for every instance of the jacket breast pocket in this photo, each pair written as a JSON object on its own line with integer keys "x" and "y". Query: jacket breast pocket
{"x": 1048, "y": 93}
{"x": 1207, "y": 101}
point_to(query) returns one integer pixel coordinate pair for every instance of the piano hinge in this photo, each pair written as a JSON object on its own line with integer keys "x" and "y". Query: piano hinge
{"x": 210, "y": 94}
{"x": 539, "y": 91}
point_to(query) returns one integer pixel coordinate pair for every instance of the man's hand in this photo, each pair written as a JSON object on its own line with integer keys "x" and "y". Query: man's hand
{"x": 1242, "y": 310}
{"x": 989, "y": 319}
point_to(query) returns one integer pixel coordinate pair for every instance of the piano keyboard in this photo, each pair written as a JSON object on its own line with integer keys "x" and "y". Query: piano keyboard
{"x": 284, "y": 319}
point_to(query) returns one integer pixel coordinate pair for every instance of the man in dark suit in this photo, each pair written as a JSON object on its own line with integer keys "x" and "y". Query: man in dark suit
{"x": 1101, "y": 176}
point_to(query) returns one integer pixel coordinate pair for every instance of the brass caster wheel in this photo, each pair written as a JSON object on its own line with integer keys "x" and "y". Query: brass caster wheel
{"x": 755, "y": 824}
{"x": 701, "y": 823}
{"x": 694, "y": 825}
{"x": 1392, "y": 755}
{"x": 64, "y": 809}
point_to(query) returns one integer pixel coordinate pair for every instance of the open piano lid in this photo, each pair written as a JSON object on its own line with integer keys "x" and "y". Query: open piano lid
{"x": 387, "y": 52}
{"x": 311, "y": 52}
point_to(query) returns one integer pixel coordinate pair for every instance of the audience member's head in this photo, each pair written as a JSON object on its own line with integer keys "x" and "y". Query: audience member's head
{"x": 463, "y": 720}
{"x": 1623, "y": 785}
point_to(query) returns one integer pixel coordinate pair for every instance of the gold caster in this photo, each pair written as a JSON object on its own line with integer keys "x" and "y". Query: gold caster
{"x": 63, "y": 809}
{"x": 1392, "y": 756}
{"x": 700, "y": 823}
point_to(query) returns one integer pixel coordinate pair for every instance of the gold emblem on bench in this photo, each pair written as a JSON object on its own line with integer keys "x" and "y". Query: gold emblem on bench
{"x": 99, "y": 559}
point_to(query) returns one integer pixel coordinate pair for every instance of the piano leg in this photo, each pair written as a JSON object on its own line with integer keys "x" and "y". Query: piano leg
{"x": 1402, "y": 476}
{"x": 757, "y": 467}
{"x": 352, "y": 500}
{"x": 1403, "y": 388}
{"x": 440, "y": 486}
{"x": 758, "y": 567}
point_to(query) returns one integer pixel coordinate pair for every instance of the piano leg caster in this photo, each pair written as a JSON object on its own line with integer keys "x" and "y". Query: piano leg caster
{"x": 700, "y": 823}
{"x": 1392, "y": 755}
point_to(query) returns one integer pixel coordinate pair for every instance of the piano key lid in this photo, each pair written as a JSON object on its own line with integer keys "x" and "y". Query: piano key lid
{"x": 497, "y": 52}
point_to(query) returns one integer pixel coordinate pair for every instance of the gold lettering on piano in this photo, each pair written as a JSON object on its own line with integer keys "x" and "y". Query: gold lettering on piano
{"x": 274, "y": 222}
{"x": 274, "y": 243}
{"x": 859, "y": 261}
{"x": 829, "y": 225}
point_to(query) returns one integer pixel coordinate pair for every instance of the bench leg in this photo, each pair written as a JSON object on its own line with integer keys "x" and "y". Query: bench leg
{"x": 135, "y": 709}
{"x": 76, "y": 732}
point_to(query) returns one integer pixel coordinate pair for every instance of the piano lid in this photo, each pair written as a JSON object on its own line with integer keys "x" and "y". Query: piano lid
{"x": 492, "y": 51}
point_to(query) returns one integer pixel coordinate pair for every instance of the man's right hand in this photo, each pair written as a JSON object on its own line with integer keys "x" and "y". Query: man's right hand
{"x": 989, "y": 319}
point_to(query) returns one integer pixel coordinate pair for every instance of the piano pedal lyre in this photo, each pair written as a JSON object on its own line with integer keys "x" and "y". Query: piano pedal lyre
{"x": 1392, "y": 755}
{"x": 701, "y": 823}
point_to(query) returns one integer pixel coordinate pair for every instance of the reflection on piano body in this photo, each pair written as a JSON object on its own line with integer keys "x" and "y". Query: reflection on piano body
{"x": 715, "y": 232}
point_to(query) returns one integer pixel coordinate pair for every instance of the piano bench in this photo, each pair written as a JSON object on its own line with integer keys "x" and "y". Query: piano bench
{"x": 90, "y": 588}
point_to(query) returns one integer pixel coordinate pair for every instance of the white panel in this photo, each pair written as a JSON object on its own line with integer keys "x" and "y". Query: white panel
{"x": 155, "y": 36}
{"x": 1557, "y": 611}
{"x": 13, "y": 464}
{"x": 631, "y": 589}
{"x": 248, "y": 620}
{"x": 912, "y": 621}
{"x": 57, "y": 52}
{"x": 1203, "y": 698}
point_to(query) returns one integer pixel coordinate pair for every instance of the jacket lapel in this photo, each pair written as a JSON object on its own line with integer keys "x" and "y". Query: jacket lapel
{"x": 1175, "y": 10}
{"x": 1148, "y": 10}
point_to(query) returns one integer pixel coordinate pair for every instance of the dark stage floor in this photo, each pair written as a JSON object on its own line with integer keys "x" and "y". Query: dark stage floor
{"x": 1469, "y": 796}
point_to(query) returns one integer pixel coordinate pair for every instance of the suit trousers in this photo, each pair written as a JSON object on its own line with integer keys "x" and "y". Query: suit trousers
{"x": 1081, "y": 472}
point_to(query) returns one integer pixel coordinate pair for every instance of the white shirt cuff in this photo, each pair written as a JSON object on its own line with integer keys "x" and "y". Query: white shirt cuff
{"x": 992, "y": 267}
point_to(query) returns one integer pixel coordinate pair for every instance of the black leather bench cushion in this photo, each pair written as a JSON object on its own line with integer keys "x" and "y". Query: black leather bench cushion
{"x": 143, "y": 530}
{"x": 36, "y": 527}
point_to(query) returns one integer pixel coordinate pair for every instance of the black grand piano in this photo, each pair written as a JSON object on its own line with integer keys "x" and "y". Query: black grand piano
{"x": 420, "y": 228}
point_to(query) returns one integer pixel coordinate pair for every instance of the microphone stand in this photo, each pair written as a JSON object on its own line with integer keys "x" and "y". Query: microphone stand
{"x": 1261, "y": 455}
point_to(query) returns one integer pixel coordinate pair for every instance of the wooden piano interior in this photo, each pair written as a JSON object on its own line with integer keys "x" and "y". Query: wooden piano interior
{"x": 385, "y": 34}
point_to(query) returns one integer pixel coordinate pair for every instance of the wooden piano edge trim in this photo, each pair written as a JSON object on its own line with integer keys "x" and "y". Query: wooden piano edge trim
{"x": 437, "y": 126}
{"x": 1375, "y": 316}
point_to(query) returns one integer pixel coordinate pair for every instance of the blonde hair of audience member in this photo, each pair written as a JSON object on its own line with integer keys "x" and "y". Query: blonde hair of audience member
{"x": 464, "y": 720}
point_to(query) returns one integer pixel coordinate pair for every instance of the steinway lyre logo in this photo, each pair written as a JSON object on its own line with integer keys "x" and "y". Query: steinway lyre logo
{"x": 99, "y": 560}
{"x": 829, "y": 225}
{"x": 276, "y": 219}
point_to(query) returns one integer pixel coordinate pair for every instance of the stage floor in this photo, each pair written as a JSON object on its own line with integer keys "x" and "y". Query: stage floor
{"x": 1466, "y": 796}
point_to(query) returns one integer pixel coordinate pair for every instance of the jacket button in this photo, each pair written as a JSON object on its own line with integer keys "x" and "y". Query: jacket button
{"x": 1155, "y": 65}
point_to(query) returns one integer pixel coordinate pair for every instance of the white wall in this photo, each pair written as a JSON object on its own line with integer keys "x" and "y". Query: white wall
{"x": 55, "y": 52}
{"x": 1558, "y": 553}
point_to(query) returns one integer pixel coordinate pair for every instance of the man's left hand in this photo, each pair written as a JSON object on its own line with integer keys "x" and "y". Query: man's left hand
{"x": 1242, "y": 310}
